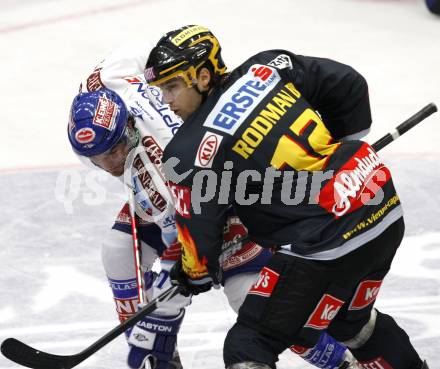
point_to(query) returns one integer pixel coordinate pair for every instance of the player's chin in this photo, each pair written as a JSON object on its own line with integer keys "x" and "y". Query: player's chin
{"x": 116, "y": 172}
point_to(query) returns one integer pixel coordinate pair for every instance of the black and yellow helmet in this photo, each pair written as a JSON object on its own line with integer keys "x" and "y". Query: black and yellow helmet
{"x": 181, "y": 53}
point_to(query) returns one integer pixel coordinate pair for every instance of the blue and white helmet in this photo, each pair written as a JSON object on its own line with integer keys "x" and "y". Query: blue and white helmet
{"x": 97, "y": 122}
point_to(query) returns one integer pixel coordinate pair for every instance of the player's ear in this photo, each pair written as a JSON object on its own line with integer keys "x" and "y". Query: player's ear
{"x": 204, "y": 79}
{"x": 130, "y": 121}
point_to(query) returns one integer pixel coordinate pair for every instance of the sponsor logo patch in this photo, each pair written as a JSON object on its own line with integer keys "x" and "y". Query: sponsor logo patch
{"x": 188, "y": 33}
{"x": 85, "y": 135}
{"x": 94, "y": 82}
{"x": 148, "y": 185}
{"x": 355, "y": 184}
{"x": 366, "y": 293}
{"x": 182, "y": 197}
{"x": 153, "y": 150}
{"x": 324, "y": 312}
{"x": 106, "y": 113}
{"x": 378, "y": 363}
{"x": 241, "y": 98}
{"x": 282, "y": 61}
{"x": 265, "y": 283}
{"x": 249, "y": 252}
{"x": 207, "y": 149}
{"x": 126, "y": 307}
{"x": 149, "y": 74}
{"x": 299, "y": 350}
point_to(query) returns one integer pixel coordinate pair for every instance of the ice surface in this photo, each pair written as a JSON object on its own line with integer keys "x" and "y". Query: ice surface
{"x": 53, "y": 289}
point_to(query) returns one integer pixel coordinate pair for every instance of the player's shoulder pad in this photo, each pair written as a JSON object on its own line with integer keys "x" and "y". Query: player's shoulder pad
{"x": 278, "y": 58}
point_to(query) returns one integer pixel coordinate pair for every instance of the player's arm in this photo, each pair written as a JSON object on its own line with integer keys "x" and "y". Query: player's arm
{"x": 200, "y": 221}
{"x": 124, "y": 62}
{"x": 337, "y": 91}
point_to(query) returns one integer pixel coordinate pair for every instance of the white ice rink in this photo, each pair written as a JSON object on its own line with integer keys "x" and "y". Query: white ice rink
{"x": 53, "y": 292}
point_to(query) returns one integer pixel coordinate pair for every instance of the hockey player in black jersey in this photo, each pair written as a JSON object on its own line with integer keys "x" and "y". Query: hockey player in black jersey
{"x": 277, "y": 139}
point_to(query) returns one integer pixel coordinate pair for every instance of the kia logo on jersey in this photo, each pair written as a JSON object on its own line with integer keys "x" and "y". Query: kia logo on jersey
{"x": 207, "y": 149}
{"x": 324, "y": 312}
{"x": 365, "y": 294}
{"x": 265, "y": 283}
{"x": 85, "y": 135}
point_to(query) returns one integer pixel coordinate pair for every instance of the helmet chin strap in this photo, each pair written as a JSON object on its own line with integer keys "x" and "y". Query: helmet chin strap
{"x": 204, "y": 94}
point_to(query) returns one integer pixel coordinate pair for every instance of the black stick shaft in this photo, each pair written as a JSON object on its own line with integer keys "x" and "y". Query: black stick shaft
{"x": 25, "y": 355}
{"x": 405, "y": 126}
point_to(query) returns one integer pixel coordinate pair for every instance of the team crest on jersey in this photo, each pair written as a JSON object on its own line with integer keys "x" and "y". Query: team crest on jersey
{"x": 241, "y": 98}
{"x": 105, "y": 115}
{"x": 85, "y": 135}
{"x": 207, "y": 150}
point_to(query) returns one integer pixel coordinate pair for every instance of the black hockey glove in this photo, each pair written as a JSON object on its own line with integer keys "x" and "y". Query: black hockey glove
{"x": 189, "y": 286}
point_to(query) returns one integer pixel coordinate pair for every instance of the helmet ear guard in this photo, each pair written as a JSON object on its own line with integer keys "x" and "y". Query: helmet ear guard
{"x": 181, "y": 53}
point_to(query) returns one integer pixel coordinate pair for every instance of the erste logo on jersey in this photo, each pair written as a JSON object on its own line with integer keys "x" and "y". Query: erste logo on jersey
{"x": 365, "y": 294}
{"x": 324, "y": 312}
{"x": 182, "y": 198}
{"x": 265, "y": 283}
{"x": 241, "y": 98}
{"x": 207, "y": 149}
{"x": 105, "y": 115}
{"x": 85, "y": 135}
{"x": 355, "y": 184}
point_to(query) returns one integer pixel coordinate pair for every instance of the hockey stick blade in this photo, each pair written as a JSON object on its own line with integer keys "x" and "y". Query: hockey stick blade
{"x": 25, "y": 355}
{"x": 30, "y": 357}
{"x": 405, "y": 126}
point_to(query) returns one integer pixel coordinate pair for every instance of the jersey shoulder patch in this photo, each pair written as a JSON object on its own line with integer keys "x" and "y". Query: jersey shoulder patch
{"x": 282, "y": 61}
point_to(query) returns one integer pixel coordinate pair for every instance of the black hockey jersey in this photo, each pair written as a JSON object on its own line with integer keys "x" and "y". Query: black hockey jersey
{"x": 270, "y": 142}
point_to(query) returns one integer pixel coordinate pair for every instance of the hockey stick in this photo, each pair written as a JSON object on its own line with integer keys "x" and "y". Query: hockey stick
{"x": 405, "y": 126}
{"x": 30, "y": 357}
{"x": 27, "y": 356}
{"x": 137, "y": 252}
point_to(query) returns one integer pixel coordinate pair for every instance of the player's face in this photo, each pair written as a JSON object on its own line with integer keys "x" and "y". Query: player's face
{"x": 113, "y": 161}
{"x": 183, "y": 100}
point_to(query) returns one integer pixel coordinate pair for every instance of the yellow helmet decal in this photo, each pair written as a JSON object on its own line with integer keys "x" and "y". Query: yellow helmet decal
{"x": 188, "y": 33}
